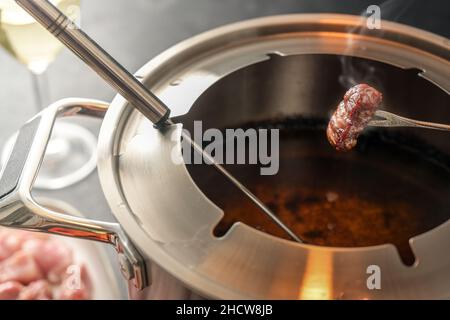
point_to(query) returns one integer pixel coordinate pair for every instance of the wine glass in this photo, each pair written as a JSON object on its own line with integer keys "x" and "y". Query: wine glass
{"x": 70, "y": 155}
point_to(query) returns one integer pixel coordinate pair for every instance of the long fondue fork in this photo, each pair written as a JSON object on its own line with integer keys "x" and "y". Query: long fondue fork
{"x": 393, "y": 120}
{"x": 124, "y": 82}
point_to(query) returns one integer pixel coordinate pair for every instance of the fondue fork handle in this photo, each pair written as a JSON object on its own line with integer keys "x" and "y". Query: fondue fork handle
{"x": 392, "y": 120}
{"x": 124, "y": 82}
{"x": 19, "y": 209}
{"x": 66, "y": 31}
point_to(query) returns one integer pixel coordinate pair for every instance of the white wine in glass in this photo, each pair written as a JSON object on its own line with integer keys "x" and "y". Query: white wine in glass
{"x": 26, "y": 39}
{"x": 70, "y": 155}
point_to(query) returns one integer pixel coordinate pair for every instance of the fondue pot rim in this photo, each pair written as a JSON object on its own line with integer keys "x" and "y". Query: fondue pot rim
{"x": 159, "y": 71}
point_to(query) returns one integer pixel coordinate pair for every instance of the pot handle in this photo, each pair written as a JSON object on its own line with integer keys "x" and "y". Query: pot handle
{"x": 18, "y": 209}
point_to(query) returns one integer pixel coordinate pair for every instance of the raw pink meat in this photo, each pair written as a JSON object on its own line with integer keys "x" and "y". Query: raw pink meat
{"x": 10, "y": 243}
{"x": 36, "y": 267}
{"x": 52, "y": 257}
{"x": 13, "y": 240}
{"x": 38, "y": 290}
{"x": 20, "y": 267}
{"x": 10, "y": 290}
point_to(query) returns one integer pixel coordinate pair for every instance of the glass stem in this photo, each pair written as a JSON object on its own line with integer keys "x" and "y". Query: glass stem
{"x": 41, "y": 90}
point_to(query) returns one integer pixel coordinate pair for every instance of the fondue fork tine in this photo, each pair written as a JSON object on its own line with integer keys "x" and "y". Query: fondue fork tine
{"x": 242, "y": 188}
{"x": 124, "y": 82}
{"x": 392, "y": 120}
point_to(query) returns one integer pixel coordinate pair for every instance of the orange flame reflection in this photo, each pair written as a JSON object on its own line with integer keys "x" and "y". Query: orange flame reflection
{"x": 318, "y": 279}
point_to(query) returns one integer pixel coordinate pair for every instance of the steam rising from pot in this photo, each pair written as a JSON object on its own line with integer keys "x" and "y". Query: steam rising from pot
{"x": 353, "y": 74}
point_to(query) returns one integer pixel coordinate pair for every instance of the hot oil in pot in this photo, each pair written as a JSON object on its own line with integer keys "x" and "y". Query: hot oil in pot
{"x": 390, "y": 188}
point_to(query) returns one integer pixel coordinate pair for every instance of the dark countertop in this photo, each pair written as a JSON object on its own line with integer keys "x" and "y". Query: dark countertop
{"x": 137, "y": 30}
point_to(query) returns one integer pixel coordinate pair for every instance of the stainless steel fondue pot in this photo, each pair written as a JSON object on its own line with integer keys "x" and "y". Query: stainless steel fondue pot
{"x": 164, "y": 236}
